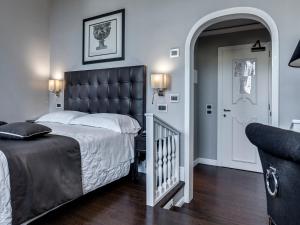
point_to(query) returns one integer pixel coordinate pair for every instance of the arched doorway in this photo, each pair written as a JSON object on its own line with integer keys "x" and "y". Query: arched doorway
{"x": 197, "y": 29}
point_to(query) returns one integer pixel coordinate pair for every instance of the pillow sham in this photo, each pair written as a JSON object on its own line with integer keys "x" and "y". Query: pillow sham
{"x": 23, "y": 130}
{"x": 115, "y": 122}
{"x": 64, "y": 117}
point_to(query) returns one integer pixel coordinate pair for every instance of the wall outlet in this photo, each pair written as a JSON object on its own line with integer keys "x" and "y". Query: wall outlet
{"x": 162, "y": 107}
{"x": 58, "y": 106}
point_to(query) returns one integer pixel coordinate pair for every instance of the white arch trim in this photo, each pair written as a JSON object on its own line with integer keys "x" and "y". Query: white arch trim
{"x": 197, "y": 29}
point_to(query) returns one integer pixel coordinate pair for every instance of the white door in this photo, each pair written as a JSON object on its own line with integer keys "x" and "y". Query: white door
{"x": 243, "y": 90}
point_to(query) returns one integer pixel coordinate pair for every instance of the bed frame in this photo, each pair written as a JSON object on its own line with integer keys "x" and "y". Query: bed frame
{"x": 115, "y": 90}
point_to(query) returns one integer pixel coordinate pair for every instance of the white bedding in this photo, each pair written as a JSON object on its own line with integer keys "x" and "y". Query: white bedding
{"x": 105, "y": 157}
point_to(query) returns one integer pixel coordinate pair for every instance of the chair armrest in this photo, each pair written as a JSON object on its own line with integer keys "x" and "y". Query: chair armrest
{"x": 278, "y": 142}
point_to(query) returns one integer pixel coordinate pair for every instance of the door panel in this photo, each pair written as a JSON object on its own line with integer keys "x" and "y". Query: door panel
{"x": 239, "y": 152}
{"x": 243, "y": 99}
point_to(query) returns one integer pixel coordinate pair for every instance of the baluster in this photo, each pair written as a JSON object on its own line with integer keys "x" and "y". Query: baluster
{"x": 176, "y": 137}
{"x": 165, "y": 160}
{"x": 155, "y": 131}
{"x": 156, "y": 166}
{"x": 173, "y": 159}
{"x": 160, "y": 164}
{"x": 169, "y": 160}
{"x": 160, "y": 132}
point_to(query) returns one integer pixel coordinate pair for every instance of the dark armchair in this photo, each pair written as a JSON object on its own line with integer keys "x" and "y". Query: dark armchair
{"x": 279, "y": 151}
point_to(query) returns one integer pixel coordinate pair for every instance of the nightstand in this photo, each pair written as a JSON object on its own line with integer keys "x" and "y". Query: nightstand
{"x": 139, "y": 152}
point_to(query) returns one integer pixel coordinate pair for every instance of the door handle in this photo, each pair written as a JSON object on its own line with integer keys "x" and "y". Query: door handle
{"x": 227, "y": 110}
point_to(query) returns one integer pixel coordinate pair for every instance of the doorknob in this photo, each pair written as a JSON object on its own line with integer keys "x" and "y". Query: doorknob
{"x": 227, "y": 110}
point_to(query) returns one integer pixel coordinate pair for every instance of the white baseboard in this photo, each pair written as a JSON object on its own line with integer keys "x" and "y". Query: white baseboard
{"x": 181, "y": 173}
{"x": 169, "y": 205}
{"x": 210, "y": 162}
{"x": 180, "y": 203}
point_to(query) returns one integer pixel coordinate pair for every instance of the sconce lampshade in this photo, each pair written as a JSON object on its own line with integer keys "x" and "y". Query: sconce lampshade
{"x": 159, "y": 81}
{"x": 55, "y": 86}
{"x": 295, "y": 60}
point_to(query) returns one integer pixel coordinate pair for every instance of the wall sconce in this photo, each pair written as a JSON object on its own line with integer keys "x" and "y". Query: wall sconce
{"x": 159, "y": 83}
{"x": 56, "y": 86}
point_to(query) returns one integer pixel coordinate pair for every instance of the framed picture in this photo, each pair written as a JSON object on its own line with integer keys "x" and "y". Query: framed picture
{"x": 103, "y": 38}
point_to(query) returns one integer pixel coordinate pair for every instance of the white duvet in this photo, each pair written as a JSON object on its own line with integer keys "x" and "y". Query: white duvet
{"x": 105, "y": 157}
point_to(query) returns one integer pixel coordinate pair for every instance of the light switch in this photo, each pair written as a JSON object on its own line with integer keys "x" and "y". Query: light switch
{"x": 174, "y": 98}
{"x": 162, "y": 107}
{"x": 209, "y": 109}
{"x": 174, "y": 52}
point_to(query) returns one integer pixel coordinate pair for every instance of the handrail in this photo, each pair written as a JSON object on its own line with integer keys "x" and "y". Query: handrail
{"x": 162, "y": 122}
{"x": 162, "y": 155}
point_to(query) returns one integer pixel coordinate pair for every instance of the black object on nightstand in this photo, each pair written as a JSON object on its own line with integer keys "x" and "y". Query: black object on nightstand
{"x": 2, "y": 123}
{"x": 139, "y": 152}
{"x": 30, "y": 121}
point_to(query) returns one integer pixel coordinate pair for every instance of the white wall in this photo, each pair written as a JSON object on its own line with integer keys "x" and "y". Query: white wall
{"x": 24, "y": 59}
{"x": 153, "y": 27}
{"x": 206, "y": 90}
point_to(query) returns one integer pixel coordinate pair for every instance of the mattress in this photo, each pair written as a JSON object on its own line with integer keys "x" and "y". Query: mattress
{"x": 105, "y": 156}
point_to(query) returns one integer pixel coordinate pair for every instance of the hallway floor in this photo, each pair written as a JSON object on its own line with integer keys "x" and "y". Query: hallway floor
{"x": 227, "y": 197}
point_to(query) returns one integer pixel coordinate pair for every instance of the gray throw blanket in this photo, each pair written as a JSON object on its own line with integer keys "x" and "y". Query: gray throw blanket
{"x": 45, "y": 172}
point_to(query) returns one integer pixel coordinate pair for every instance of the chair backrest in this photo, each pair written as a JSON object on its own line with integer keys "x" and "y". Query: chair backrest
{"x": 279, "y": 152}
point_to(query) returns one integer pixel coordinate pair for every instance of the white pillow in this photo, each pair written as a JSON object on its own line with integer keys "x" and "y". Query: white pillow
{"x": 115, "y": 122}
{"x": 64, "y": 117}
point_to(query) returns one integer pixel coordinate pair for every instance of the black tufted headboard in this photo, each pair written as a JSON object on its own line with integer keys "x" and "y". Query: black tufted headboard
{"x": 116, "y": 90}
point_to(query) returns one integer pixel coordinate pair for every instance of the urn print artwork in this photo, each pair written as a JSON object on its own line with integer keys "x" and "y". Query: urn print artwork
{"x": 103, "y": 38}
{"x": 101, "y": 32}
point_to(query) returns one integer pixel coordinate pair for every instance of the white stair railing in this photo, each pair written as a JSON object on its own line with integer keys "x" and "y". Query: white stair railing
{"x": 162, "y": 143}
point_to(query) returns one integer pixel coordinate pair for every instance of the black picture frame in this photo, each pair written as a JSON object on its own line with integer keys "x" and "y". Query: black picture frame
{"x": 120, "y": 58}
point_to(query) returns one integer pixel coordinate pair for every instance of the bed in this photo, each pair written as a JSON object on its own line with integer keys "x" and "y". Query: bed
{"x": 106, "y": 155}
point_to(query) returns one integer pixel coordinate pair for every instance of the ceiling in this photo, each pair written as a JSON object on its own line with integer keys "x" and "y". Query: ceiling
{"x": 231, "y": 23}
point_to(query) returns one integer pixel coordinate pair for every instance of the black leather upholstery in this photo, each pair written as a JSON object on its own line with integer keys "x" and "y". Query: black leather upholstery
{"x": 284, "y": 144}
{"x": 280, "y": 149}
{"x": 116, "y": 90}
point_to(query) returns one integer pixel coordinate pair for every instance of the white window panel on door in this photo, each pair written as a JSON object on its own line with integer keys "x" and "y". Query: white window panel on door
{"x": 244, "y": 80}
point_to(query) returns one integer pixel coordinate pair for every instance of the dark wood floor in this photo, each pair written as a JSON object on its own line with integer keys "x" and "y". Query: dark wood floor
{"x": 228, "y": 197}
{"x": 222, "y": 197}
